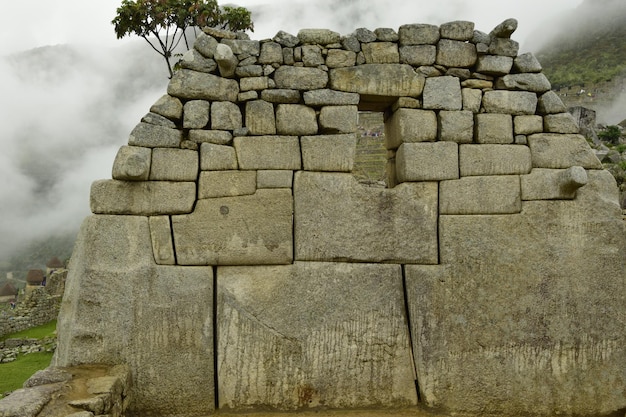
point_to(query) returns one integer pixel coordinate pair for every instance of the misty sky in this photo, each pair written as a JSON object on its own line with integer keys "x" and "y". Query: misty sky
{"x": 66, "y": 110}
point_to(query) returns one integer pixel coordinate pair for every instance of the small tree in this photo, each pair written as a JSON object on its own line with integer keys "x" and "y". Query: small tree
{"x": 610, "y": 134}
{"x": 164, "y": 23}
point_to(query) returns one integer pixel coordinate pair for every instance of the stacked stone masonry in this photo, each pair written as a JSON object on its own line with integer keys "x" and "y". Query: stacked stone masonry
{"x": 235, "y": 243}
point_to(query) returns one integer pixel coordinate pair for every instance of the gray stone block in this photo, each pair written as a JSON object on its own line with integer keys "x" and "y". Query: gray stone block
{"x": 472, "y": 99}
{"x": 481, "y": 195}
{"x": 174, "y": 165}
{"x": 328, "y": 97}
{"x": 205, "y": 44}
{"x": 527, "y": 125}
{"x": 132, "y": 163}
{"x": 328, "y": 152}
{"x": 427, "y": 161}
{"x": 560, "y": 123}
{"x": 331, "y": 300}
{"x": 243, "y": 46}
{"x": 512, "y": 102}
{"x": 550, "y": 103}
{"x": 217, "y": 157}
{"x": 168, "y": 107}
{"x": 281, "y": 95}
{"x": 190, "y": 85}
{"x": 494, "y": 64}
{"x": 157, "y": 119}
{"x": 456, "y": 126}
{"x": 442, "y": 93}
{"x": 553, "y": 150}
{"x": 196, "y": 114}
{"x": 225, "y": 116}
{"x": 494, "y": 160}
{"x": 537, "y": 83}
{"x": 418, "y": 55}
{"x": 418, "y": 34}
{"x": 243, "y": 230}
{"x": 253, "y": 83}
{"x": 503, "y": 46}
{"x": 494, "y": 128}
{"x": 378, "y": 80}
{"x": 338, "y": 119}
{"x": 295, "y": 119}
{"x": 456, "y": 54}
{"x": 271, "y": 53}
{"x": 527, "y": 62}
{"x": 218, "y": 137}
{"x": 298, "y": 78}
{"x": 410, "y": 125}
{"x": 274, "y": 178}
{"x": 338, "y": 58}
{"x": 381, "y": 53}
{"x": 153, "y": 136}
{"x": 318, "y": 36}
{"x": 458, "y": 30}
{"x": 268, "y": 152}
{"x": 214, "y": 184}
{"x": 143, "y": 198}
{"x": 161, "y": 238}
{"x": 260, "y": 119}
{"x": 357, "y": 223}
{"x": 553, "y": 184}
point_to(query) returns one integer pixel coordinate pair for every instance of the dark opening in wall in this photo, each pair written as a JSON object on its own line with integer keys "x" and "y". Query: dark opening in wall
{"x": 371, "y": 155}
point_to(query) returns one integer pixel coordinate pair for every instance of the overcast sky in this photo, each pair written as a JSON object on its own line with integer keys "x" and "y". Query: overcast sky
{"x": 65, "y": 114}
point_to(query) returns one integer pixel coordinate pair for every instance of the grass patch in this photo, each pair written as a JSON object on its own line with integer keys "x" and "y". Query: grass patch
{"x": 14, "y": 374}
{"x": 39, "y": 332}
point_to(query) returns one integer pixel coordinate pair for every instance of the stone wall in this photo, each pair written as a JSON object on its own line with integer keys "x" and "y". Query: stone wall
{"x": 234, "y": 262}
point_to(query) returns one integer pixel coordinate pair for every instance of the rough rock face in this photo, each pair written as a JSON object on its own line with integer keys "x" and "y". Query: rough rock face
{"x": 233, "y": 262}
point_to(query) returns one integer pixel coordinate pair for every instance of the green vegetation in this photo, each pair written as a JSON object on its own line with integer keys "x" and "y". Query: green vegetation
{"x": 14, "y": 374}
{"x": 39, "y": 332}
{"x": 610, "y": 134}
{"x": 164, "y": 23}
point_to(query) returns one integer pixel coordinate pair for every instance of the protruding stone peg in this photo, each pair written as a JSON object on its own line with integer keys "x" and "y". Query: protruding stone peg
{"x": 572, "y": 179}
{"x": 226, "y": 60}
{"x": 505, "y": 29}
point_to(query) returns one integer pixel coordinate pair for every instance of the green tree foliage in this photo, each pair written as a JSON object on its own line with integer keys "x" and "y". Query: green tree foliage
{"x": 610, "y": 134}
{"x": 165, "y": 23}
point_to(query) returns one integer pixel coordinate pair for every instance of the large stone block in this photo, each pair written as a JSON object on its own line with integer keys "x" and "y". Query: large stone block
{"x": 519, "y": 308}
{"x": 168, "y": 107}
{"x": 302, "y": 323}
{"x": 511, "y": 102}
{"x": 456, "y": 126}
{"x": 536, "y": 82}
{"x": 418, "y": 34}
{"x": 243, "y": 230}
{"x": 119, "y": 307}
{"x": 218, "y": 137}
{"x": 528, "y": 124}
{"x": 494, "y": 128}
{"x": 274, "y": 178}
{"x": 132, "y": 163}
{"x": 560, "y": 123}
{"x": 328, "y": 97}
{"x": 298, "y": 78}
{"x": 268, "y": 152}
{"x": 494, "y": 64}
{"x": 155, "y": 136}
{"x": 456, "y": 54}
{"x": 481, "y": 195}
{"x": 494, "y": 160}
{"x": 442, "y": 93}
{"x": 145, "y": 198}
{"x": 427, "y": 161}
{"x": 418, "y": 55}
{"x": 458, "y": 30}
{"x": 353, "y": 222}
{"x": 553, "y": 184}
{"x": 217, "y": 157}
{"x": 295, "y": 119}
{"x": 410, "y": 125}
{"x": 190, "y": 85}
{"x": 338, "y": 58}
{"x": 225, "y": 116}
{"x": 174, "y": 165}
{"x": 393, "y": 80}
{"x": 328, "y": 152}
{"x": 381, "y": 53}
{"x": 196, "y": 114}
{"x": 552, "y": 150}
{"x": 338, "y": 119}
{"x": 226, "y": 183}
{"x": 260, "y": 119}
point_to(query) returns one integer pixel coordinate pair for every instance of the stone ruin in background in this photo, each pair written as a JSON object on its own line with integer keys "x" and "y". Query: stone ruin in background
{"x": 234, "y": 263}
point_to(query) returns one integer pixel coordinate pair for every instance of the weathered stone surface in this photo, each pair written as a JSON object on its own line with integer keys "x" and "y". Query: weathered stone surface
{"x": 192, "y": 85}
{"x": 115, "y": 290}
{"x": 168, "y": 106}
{"x": 297, "y": 78}
{"x": 552, "y": 150}
{"x": 271, "y": 53}
{"x": 381, "y": 53}
{"x": 268, "y": 152}
{"x": 442, "y": 93}
{"x": 295, "y": 119}
{"x": 386, "y": 34}
{"x": 406, "y": 103}
{"x": 456, "y": 126}
{"x": 512, "y": 102}
{"x": 226, "y": 183}
{"x": 365, "y": 35}
{"x": 378, "y": 79}
{"x": 410, "y": 125}
{"x": 157, "y": 119}
{"x": 249, "y": 70}
{"x": 527, "y": 63}
{"x": 260, "y": 118}
{"x": 418, "y": 55}
{"x": 481, "y": 195}
{"x": 537, "y": 83}
{"x": 218, "y": 137}
{"x": 47, "y": 376}
{"x": 225, "y": 116}
{"x": 494, "y": 160}
{"x": 338, "y": 58}
{"x": 333, "y": 299}
{"x": 553, "y": 184}
{"x": 281, "y": 96}
{"x": 545, "y": 320}
{"x": 427, "y": 161}
{"x": 27, "y": 402}
{"x": 456, "y": 54}
{"x": 174, "y": 165}
{"x": 550, "y": 103}
{"x": 328, "y": 152}
{"x": 253, "y": 83}
{"x": 458, "y": 30}
{"x": 328, "y": 97}
{"x": 504, "y": 29}
{"x": 153, "y": 136}
{"x": 195, "y": 61}
{"x": 274, "y": 178}
{"x": 312, "y": 55}
{"x": 560, "y": 123}
{"x": 494, "y": 128}
{"x": 503, "y": 46}
{"x": 161, "y": 238}
{"x": 353, "y": 222}
{"x": 472, "y": 99}
{"x": 215, "y": 157}
{"x": 474, "y": 83}
{"x": 418, "y": 34}
{"x": 132, "y": 163}
{"x": 244, "y": 230}
{"x": 196, "y": 114}
{"x": 527, "y": 125}
{"x": 338, "y": 119}
{"x": 205, "y": 44}
{"x": 145, "y": 198}
{"x": 318, "y": 36}
{"x": 494, "y": 64}
{"x": 243, "y": 46}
